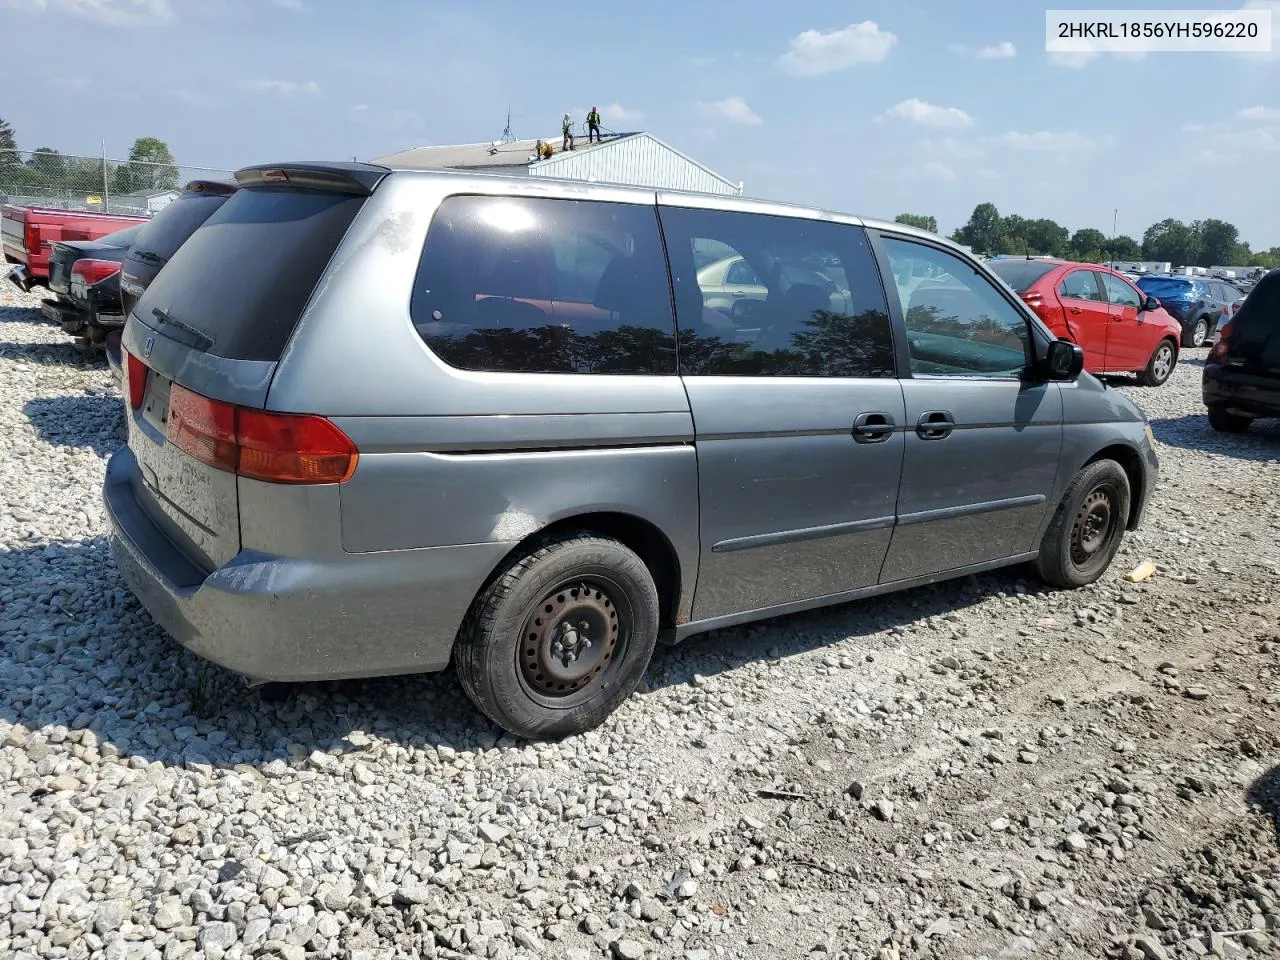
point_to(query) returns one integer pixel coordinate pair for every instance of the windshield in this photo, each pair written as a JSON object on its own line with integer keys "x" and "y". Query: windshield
{"x": 1171, "y": 288}
{"x": 121, "y": 238}
{"x": 1020, "y": 274}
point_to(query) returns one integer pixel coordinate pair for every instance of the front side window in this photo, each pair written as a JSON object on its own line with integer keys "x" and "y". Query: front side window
{"x": 545, "y": 286}
{"x": 760, "y": 295}
{"x": 958, "y": 323}
{"x": 1120, "y": 293}
{"x": 1080, "y": 285}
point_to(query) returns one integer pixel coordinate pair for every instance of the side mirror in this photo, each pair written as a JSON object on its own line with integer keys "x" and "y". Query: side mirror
{"x": 1064, "y": 360}
{"x": 1151, "y": 303}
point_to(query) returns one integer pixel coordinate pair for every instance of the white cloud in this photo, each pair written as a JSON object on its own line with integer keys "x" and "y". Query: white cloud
{"x": 118, "y": 13}
{"x": 1259, "y": 114}
{"x": 1004, "y": 50}
{"x": 928, "y": 114}
{"x": 934, "y": 170}
{"x": 283, "y": 88}
{"x": 731, "y": 110}
{"x": 1045, "y": 141}
{"x": 814, "y": 52}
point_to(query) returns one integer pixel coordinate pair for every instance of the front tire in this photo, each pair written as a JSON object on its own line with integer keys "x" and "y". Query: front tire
{"x": 1198, "y": 334}
{"x": 1225, "y": 422}
{"x": 560, "y": 636}
{"x": 1087, "y": 527}
{"x": 1160, "y": 366}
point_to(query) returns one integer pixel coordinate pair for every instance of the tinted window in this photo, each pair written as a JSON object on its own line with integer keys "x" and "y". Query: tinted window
{"x": 170, "y": 228}
{"x": 545, "y": 286}
{"x": 122, "y": 238}
{"x": 243, "y": 279}
{"x": 1121, "y": 293}
{"x": 958, "y": 323}
{"x": 815, "y": 309}
{"x": 1162, "y": 288}
{"x": 1080, "y": 285}
{"x": 1020, "y": 274}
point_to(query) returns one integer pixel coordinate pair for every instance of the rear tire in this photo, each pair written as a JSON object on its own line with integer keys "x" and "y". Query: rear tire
{"x": 1087, "y": 527}
{"x": 1225, "y": 422}
{"x": 560, "y": 636}
{"x": 1198, "y": 334}
{"x": 1161, "y": 365}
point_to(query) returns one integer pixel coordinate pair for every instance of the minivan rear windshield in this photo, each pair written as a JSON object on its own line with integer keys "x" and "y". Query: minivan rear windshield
{"x": 1170, "y": 287}
{"x": 169, "y": 228}
{"x": 121, "y": 238}
{"x": 1020, "y": 274}
{"x": 244, "y": 277}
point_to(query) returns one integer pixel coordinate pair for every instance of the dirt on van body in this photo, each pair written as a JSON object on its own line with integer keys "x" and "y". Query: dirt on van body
{"x": 983, "y": 768}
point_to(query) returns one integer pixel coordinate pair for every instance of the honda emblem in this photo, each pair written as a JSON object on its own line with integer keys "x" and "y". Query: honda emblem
{"x": 146, "y": 347}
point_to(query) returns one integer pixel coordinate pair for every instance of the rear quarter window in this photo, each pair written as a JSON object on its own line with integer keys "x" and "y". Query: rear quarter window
{"x": 545, "y": 286}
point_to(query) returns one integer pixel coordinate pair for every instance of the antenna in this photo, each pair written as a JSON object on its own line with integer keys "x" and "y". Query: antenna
{"x": 507, "y": 135}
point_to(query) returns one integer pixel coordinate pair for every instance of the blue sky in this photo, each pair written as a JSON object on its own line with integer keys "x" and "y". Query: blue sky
{"x": 874, "y": 107}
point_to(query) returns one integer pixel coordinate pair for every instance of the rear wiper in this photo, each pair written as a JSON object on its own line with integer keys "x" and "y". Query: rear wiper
{"x": 167, "y": 319}
{"x": 150, "y": 257}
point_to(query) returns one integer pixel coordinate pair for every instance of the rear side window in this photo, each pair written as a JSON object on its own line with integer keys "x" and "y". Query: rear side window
{"x": 760, "y": 295}
{"x": 238, "y": 286}
{"x": 535, "y": 285}
{"x": 170, "y": 228}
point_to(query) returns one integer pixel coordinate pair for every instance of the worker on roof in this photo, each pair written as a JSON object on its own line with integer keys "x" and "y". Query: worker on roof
{"x": 593, "y": 125}
{"x": 566, "y": 126}
{"x": 544, "y": 150}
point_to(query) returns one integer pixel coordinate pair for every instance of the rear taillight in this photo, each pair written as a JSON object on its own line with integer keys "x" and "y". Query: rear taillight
{"x": 276, "y": 447}
{"x": 1036, "y": 302}
{"x": 134, "y": 374}
{"x": 89, "y": 271}
{"x": 31, "y": 238}
{"x": 1219, "y": 351}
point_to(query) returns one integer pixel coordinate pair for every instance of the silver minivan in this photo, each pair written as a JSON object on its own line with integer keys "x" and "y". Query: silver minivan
{"x": 383, "y": 420}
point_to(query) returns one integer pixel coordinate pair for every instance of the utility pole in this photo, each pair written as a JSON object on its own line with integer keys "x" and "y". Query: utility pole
{"x": 1115, "y": 217}
{"x": 106, "y": 187}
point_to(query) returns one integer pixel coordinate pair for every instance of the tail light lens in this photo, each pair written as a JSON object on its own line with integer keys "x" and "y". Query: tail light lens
{"x": 89, "y": 271}
{"x": 1219, "y": 351}
{"x": 275, "y": 447}
{"x": 31, "y": 238}
{"x": 134, "y": 374}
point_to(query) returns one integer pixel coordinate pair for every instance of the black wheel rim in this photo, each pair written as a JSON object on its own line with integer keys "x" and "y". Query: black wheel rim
{"x": 1093, "y": 529}
{"x": 573, "y": 641}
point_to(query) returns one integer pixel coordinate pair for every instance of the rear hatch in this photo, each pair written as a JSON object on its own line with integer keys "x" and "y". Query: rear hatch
{"x": 202, "y": 344}
{"x": 1254, "y": 342}
{"x": 167, "y": 231}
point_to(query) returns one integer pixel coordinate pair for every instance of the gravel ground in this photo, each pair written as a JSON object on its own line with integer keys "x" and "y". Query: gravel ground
{"x": 978, "y": 769}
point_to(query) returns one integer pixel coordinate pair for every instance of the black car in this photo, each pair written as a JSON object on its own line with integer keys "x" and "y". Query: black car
{"x": 1199, "y": 304}
{"x": 158, "y": 241}
{"x": 1242, "y": 372}
{"x": 84, "y": 278}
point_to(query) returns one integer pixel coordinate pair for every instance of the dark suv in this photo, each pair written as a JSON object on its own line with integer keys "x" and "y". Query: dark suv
{"x": 1242, "y": 372}
{"x": 1199, "y": 304}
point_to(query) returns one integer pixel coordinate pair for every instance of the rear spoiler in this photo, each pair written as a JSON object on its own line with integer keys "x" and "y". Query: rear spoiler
{"x": 354, "y": 178}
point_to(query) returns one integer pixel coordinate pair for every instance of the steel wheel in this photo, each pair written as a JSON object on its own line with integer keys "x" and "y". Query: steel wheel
{"x": 571, "y": 640}
{"x": 1092, "y": 529}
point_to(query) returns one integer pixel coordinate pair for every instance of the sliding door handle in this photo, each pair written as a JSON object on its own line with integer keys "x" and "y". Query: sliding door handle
{"x": 935, "y": 425}
{"x": 875, "y": 427}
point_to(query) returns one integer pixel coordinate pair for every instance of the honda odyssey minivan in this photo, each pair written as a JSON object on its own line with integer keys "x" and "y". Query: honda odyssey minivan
{"x": 497, "y": 421}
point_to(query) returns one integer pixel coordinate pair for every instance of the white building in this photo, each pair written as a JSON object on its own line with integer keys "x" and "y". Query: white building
{"x": 638, "y": 159}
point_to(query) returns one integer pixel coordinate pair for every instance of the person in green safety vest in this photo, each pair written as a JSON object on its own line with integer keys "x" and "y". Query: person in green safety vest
{"x": 566, "y": 127}
{"x": 593, "y": 126}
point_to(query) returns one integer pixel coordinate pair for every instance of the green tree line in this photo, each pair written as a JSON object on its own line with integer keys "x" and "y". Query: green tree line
{"x": 1201, "y": 243}
{"x": 150, "y": 167}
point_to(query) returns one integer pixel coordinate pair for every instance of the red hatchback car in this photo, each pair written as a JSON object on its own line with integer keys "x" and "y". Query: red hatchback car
{"x": 1120, "y": 328}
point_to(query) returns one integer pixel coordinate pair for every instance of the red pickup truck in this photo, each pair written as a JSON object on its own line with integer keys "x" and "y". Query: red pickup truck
{"x": 26, "y": 233}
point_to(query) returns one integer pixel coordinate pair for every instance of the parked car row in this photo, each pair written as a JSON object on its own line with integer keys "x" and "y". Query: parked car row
{"x": 95, "y": 274}
{"x": 1200, "y": 305}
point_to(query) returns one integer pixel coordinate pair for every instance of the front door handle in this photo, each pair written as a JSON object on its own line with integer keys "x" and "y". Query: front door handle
{"x": 1075, "y": 309}
{"x": 935, "y": 425}
{"x": 874, "y": 427}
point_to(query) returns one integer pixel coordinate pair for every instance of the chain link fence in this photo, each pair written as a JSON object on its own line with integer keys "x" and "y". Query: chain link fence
{"x": 138, "y": 187}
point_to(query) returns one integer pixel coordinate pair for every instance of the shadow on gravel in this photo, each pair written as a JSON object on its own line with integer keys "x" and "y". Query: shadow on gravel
{"x": 53, "y": 354}
{"x": 24, "y": 315}
{"x": 1265, "y": 793}
{"x": 1261, "y": 442}
{"x": 96, "y": 422}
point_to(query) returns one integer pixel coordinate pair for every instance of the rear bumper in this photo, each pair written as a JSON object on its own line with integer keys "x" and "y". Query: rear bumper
{"x": 1240, "y": 393}
{"x": 274, "y": 618}
{"x": 65, "y": 315}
